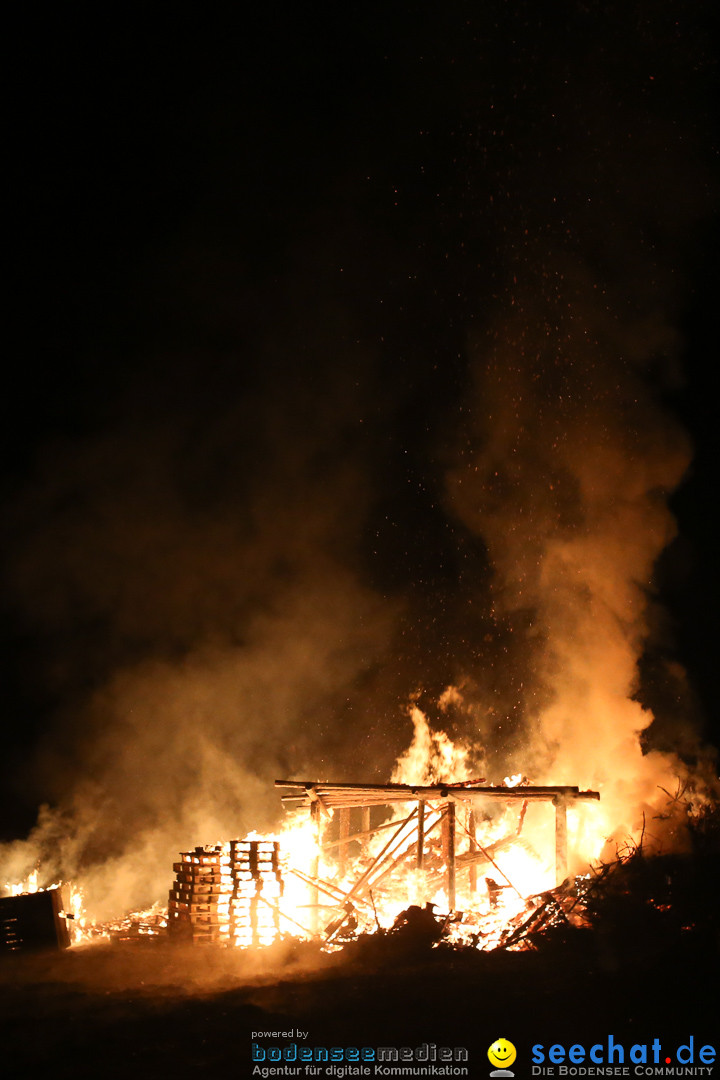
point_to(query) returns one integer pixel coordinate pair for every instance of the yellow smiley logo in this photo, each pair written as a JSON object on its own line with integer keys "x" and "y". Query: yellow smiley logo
{"x": 502, "y": 1053}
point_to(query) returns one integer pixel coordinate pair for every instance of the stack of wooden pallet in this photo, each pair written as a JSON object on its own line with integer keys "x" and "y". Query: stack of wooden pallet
{"x": 227, "y": 894}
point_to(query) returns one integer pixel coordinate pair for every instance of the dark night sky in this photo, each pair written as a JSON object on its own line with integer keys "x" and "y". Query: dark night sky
{"x": 254, "y": 260}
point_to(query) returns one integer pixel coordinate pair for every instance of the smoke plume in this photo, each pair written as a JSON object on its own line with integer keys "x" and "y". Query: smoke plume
{"x": 208, "y": 629}
{"x": 567, "y": 462}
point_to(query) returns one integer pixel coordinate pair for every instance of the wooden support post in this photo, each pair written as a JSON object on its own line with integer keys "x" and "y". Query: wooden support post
{"x": 344, "y": 827}
{"x": 472, "y": 833}
{"x": 450, "y": 816}
{"x": 561, "y": 860}
{"x": 315, "y": 869}
{"x": 420, "y": 856}
{"x": 365, "y": 820}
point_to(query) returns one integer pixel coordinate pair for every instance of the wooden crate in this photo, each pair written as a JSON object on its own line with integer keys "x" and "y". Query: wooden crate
{"x": 33, "y": 921}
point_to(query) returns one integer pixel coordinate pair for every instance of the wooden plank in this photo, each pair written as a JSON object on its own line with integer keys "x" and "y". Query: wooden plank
{"x": 186, "y": 889}
{"x": 450, "y": 814}
{"x": 221, "y": 908}
{"x": 198, "y": 873}
{"x": 420, "y": 853}
{"x": 353, "y": 794}
{"x": 317, "y": 800}
{"x": 344, "y": 827}
{"x": 406, "y": 853}
{"x": 346, "y": 796}
{"x": 379, "y": 858}
{"x": 315, "y": 809}
{"x": 205, "y": 920}
{"x": 472, "y": 833}
{"x": 215, "y": 881}
{"x": 561, "y": 859}
{"x": 359, "y": 835}
{"x": 326, "y": 887}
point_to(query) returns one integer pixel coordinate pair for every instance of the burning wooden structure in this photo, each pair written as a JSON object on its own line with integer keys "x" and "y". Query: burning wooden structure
{"x": 435, "y": 808}
{"x": 442, "y": 838}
